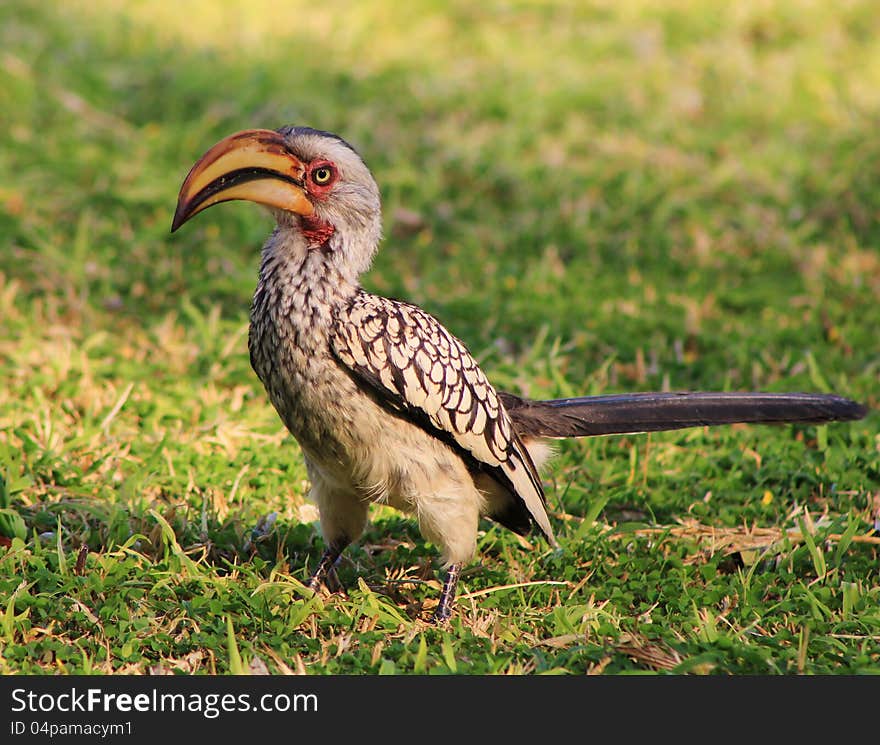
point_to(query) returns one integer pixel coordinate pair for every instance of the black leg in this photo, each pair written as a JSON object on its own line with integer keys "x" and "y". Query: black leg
{"x": 447, "y": 596}
{"x": 325, "y": 571}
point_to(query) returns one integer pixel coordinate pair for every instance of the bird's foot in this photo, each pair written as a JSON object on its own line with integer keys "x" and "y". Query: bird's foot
{"x": 325, "y": 572}
{"x": 330, "y": 582}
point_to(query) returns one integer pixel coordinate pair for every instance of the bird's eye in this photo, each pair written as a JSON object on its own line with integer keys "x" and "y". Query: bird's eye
{"x": 322, "y": 175}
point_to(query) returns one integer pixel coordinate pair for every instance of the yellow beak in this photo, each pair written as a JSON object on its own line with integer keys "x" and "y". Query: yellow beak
{"x": 255, "y": 165}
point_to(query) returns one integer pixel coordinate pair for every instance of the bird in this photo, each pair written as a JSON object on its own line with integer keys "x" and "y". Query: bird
{"x": 387, "y": 405}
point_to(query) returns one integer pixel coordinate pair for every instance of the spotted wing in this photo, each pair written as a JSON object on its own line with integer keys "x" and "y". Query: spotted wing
{"x": 422, "y": 371}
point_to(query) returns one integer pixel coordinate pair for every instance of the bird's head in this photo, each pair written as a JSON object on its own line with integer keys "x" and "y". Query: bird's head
{"x": 314, "y": 183}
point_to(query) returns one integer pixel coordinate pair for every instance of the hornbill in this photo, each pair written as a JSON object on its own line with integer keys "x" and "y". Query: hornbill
{"x": 386, "y": 404}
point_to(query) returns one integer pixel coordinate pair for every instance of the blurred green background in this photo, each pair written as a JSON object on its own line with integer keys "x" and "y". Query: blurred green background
{"x": 594, "y": 196}
{"x": 604, "y": 170}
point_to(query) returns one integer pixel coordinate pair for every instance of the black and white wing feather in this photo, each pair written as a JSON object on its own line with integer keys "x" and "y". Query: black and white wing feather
{"x": 419, "y": 369}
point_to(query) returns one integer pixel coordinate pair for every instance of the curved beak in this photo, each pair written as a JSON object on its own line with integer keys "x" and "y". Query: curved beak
{"x": 255, "y": 165}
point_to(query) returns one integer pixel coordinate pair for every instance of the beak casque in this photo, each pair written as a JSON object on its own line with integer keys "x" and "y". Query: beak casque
{"x": 255, "y": 165}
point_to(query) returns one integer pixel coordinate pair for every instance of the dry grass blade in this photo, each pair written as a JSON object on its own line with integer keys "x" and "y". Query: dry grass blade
{"x": 652, "y": 655}
{"x": 712, "y": 539}
{"x": 497, "y": 588}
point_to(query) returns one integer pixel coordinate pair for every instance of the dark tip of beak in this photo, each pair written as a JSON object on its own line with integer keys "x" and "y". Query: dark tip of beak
{"x": 179, "y": 218}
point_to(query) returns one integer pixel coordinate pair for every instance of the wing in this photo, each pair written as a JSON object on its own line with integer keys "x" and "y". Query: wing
{"x": 423, "y": 372}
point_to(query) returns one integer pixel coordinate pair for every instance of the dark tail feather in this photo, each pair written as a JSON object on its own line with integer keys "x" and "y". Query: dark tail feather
{"x": 629, "y": 413}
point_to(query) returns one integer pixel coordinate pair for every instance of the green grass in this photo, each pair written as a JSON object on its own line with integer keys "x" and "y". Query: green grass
{"x": 595, "y": 197}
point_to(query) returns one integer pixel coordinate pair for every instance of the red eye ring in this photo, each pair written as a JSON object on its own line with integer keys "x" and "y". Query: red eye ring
{"x": 322, "y": 174}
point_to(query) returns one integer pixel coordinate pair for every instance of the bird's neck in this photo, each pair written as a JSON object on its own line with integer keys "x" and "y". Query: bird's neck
{"x": 301, "y": 285}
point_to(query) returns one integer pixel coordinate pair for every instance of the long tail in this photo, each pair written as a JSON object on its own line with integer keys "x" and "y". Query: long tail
{"x": 629, "y": 413}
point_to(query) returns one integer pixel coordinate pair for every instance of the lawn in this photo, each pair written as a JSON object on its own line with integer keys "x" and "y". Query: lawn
{"x": 595, "y": 197}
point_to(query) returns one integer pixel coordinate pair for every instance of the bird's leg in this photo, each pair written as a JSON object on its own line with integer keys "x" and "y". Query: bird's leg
{"x": 447, "y": 595}
{"x": 325, "y": 571}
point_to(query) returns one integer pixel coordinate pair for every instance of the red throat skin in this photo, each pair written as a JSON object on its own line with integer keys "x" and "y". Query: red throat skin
{"x": 316, "y": 231}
